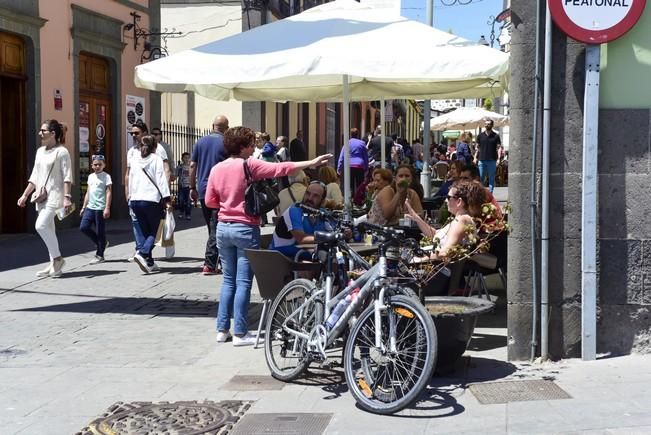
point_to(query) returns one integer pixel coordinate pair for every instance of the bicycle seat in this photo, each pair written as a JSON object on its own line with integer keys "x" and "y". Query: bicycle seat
{"x": 329, "y": 237}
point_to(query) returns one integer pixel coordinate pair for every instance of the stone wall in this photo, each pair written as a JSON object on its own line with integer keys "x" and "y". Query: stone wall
{"x": 624, "y": 256}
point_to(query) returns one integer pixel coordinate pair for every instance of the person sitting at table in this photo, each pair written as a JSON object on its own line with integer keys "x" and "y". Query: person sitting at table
{"x": 454, "y": 170}
{"x": 389, "y": 205}
{"x": 465, "y": 199}
{"x": 334, "y": 197}
{"x": 471, "y": 172}
{"x": 292, "y": 194}
{"x": 293, "y": 228}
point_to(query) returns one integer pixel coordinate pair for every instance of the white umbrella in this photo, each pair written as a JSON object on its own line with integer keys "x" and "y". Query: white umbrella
{"x": 313, "y": 56}
{"x": 467, "y": 118}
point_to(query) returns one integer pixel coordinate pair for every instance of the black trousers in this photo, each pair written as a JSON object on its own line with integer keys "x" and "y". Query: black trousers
{"x": 211, "y": 258}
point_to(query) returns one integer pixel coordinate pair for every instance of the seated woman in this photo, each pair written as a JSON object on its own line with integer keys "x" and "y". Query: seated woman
{"x": 454, "y": 171}
{"x": 465, "y": 199}
{"x": 389, "y": 205}
{"x": 334, "y": 198}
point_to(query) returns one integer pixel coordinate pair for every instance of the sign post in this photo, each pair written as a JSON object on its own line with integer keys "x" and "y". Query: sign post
{"x": 594, "y": 22}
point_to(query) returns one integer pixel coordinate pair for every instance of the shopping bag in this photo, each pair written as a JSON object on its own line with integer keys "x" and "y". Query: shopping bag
{"x": 164, "y": 227}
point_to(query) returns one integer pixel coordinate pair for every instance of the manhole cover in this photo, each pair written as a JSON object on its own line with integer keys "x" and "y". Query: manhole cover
{"x": 517, "y": 391}
{"x": 253, "y": 383}
{"x": 176, "y": 418}
{"x": 286, "y": 424}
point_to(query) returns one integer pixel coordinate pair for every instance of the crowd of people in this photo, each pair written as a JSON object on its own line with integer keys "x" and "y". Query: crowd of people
{"x": 215, "y": 176}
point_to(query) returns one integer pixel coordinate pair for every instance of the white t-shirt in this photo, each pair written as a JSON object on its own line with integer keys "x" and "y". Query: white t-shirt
{"x": 135, "y": 151}
{"x": 97, "y": 184}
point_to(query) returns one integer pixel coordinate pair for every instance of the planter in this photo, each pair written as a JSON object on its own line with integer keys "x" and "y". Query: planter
{"x": 455, "y": 319}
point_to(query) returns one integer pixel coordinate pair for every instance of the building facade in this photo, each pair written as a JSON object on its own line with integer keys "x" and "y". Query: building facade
{"x": 624, "y": 165}
{"x": 72, "y": 61}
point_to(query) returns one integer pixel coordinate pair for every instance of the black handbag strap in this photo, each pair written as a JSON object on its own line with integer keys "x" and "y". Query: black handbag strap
{"x": 247, "y": 173}
{"x": 152, "y": 182}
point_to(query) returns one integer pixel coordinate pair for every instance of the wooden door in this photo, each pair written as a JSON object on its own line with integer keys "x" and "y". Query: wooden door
{"x": 13, "y": 142}
{"x": 94, "y": 116}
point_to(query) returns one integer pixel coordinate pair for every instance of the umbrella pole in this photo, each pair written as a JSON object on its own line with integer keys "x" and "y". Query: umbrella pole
{"x": 346, "y": 145}
{"x": 383, "y": 134}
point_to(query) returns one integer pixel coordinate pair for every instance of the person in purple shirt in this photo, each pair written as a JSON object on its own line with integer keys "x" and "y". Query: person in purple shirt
{"x": 358, "y": 160}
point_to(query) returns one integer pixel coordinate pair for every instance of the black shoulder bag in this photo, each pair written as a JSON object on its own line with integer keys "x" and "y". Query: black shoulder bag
{"x": 259, "y": 197}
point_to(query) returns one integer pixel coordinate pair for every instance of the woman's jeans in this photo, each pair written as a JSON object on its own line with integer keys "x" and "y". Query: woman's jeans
{"x": 96, "y": 217}
{"x": 149, "y": 215}
{"x": 137, "y": 231}
{"x": 232, "y": 240}
{"x": 45, "y": 228}
{"x": 487, "y": 169}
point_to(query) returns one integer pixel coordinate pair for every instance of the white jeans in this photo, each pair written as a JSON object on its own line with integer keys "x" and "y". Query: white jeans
{"x": 45, "y": 228}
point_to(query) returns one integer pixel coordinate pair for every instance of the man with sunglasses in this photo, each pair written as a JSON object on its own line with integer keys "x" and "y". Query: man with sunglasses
{"x": 293, "y": 228}
{"x": 171, "y": 162}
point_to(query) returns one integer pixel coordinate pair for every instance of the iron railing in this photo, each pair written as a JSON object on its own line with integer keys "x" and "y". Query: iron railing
{"x": 181, "y": 138}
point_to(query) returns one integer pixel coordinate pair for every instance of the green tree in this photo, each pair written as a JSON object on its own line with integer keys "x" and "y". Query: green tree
{"x": 488, "y": 104}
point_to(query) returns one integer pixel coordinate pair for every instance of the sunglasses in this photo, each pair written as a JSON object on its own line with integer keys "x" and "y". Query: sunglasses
{"x": 43, "y": 131}
{"x": 320, "y": 183}
{"x": 453, "y": 197}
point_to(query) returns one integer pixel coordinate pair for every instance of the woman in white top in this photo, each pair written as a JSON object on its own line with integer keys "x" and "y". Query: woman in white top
{"x": 465, "y": 199}
{"x": 148, "y": 190}
{"x": 52, "y": 174}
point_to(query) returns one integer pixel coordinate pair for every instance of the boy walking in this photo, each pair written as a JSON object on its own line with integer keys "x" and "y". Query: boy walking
{"x": 97, "y": 207}
{"x": 183, "y": 177}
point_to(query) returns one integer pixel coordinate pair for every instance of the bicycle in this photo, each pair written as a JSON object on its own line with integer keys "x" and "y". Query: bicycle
{"x": 390, "y": 350}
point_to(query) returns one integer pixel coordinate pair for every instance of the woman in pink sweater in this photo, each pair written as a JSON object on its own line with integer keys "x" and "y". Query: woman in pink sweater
{"x": 237, "y": 231}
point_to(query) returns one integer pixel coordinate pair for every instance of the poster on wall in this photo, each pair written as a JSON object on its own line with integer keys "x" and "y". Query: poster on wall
{"x": 135, "y": 110}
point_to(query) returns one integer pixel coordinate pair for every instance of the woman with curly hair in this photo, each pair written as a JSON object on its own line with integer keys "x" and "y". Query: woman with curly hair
{"x": 236, "y": 230}
{"x": 465, "y": 200}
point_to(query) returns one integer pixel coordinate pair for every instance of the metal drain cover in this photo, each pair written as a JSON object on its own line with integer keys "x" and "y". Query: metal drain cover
{"x": 176, "y": 418}
{"x": 517, "y": 391}
{"x": 253, "y": 383}
{"x": 286, "y": 424}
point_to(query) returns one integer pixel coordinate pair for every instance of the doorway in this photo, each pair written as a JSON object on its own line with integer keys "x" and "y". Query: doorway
{"x": 94, "y": 116}
{"x": 13, "y": 142}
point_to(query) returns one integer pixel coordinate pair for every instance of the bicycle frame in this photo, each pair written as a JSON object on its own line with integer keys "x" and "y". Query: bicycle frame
{"x": 374, "y": 279}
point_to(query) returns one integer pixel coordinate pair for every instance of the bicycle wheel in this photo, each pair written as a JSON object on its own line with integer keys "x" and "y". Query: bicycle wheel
{"x": 384, "y": 381}
{"x": 285, "y": 353}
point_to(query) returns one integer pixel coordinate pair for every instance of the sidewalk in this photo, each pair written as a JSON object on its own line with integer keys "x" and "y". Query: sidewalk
{"x": 72, "y": 347}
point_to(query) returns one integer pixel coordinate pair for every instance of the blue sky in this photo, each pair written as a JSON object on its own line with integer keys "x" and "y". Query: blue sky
{"x": 468, "y": 21}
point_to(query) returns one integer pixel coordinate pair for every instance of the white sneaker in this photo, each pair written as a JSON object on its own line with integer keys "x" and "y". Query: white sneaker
{"x": 154, "y": 268}
{"x": 223, "y": 336}
{"x": 44, "y": 272}
{"x": 141, "y": 262}
{"x": 133, "y": 257}
{"x": 57, "y": 266}
{"x": 247, "y": 339}
{"x": 96, "y": 260}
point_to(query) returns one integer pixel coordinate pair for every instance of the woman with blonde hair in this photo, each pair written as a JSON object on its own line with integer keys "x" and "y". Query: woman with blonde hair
{"x": 328, "y": 176}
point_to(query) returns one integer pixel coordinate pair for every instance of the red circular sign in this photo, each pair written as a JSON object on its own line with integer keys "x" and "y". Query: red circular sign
{"x": 610, "y": 18}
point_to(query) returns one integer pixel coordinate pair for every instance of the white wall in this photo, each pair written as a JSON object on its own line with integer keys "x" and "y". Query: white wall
{"x": 200, "y": 24}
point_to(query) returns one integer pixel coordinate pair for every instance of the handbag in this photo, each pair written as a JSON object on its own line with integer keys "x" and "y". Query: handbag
{"x": 259, "y": 196}
{"x": 40, "y": 195}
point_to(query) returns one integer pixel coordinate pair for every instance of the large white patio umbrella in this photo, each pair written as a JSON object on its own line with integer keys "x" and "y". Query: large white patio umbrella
{"x": 313, "y": 56}
{"x": 467, "y": 118}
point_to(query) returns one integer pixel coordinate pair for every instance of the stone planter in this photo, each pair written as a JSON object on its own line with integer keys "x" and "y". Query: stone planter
{"x": 455, "y": 319}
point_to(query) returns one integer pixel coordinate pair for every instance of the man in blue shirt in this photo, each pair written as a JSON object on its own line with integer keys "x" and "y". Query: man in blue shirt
{"x": 293, "y": 228}
{"x": 207, "y": 152}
